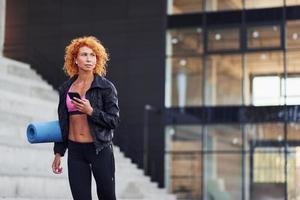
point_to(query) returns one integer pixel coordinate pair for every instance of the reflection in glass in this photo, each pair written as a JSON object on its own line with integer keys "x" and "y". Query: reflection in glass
{"x": 184, "y": 67}
{"x": 185, "y": 42}
{"x": 184, "y": 6}
{"x": 223, "y": 137}
{"x": 219, "y": 5}
{"x": 293, "y": 34}
{"x": 223, "y": 176}
{"x": 184, "y": 160}
{"x": 263, "y": 36}
{"x": 223, "y": 80}
{"x": 223, "y": 39}
{"x": 252, "y": 4}
{"x": 186, "y": 81}
{"x": 265, "y": 65}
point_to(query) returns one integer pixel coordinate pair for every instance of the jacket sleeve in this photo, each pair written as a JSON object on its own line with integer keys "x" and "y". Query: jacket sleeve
{"x": 60, "y": 147}
{"x": 109, "y": 116}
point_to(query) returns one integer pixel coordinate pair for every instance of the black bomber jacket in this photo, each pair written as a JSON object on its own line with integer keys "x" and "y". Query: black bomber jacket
{"x": 105, "y": 117}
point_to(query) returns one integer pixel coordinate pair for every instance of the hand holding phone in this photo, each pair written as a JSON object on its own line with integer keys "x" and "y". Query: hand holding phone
{"x": 74, "y": 94}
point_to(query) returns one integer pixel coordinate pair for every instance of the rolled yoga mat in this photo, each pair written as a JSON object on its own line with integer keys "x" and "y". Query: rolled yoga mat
{"x": 44, "y": 132}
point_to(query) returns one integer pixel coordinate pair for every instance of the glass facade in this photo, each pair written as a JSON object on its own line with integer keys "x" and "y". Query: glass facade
{"x": 251, "y": 63}
{"x": 229, "y": 161}
{"x": 216, "y": 77}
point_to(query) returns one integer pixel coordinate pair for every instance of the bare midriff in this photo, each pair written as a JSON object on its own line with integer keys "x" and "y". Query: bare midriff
{"x": 79, "y": 130}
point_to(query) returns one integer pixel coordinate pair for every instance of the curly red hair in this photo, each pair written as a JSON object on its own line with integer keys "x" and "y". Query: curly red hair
{"x": 71, "y": 53}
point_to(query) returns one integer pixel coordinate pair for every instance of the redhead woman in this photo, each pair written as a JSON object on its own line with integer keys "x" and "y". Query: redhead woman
{"x": 87, "y": 121}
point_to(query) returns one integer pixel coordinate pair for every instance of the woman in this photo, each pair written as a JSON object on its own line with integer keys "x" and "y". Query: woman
{"x": 87, "y": 123}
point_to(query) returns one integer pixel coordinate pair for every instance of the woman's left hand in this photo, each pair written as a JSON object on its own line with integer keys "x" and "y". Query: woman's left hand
{"x": 83, "y": 105}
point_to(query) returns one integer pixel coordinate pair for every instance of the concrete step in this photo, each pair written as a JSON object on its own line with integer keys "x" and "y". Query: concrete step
{"x": 26, "y": 106}
{"x": 34, "y": 187}
{"x": 19, "y": 69}
{"x": 28, "y": 169}
{"x": 14, "y": 118}
{"x": 29, "y": 166}
{"x": 27, "y": 81}
{"x": 19, "y": 98}
{"x": 28, "y": 88}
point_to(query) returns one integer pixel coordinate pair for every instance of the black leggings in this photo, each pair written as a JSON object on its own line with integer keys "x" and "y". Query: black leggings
{"x": 82, "y": 160}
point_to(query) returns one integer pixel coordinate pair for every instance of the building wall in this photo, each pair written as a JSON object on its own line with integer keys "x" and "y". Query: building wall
{"x": 133, "y": 31}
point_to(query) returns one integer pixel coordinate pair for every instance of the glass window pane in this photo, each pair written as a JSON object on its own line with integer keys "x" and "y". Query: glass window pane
{"x": 263, "y": 36}
{"x": 293, "y": 71}
{"x": 184, "y": 6}
{"x": 223, "y": 137}
{"x": 223, "y": 39}
{"x": 186, "y": 83}
{"x": 266, "y": 134}
{"x": 292, "y": 2}
{"x": 265, "y": 160}
{"x": 292, "y": 89}
{"x": 185, "y": 42}
{"x": 252, "y": 4}
{"x": 260, "y": 85}
{"x": 293, "y": 132}
{"x": 262, "y": 64}
{"x": 268, "y": 167}
{"x": 293, "y": 165}
{"x": 293, "y": 34}
{"x": 184, "y": 67}
{"x": 293, "y": 85}
{"x": 184, "y": 172}
{"x": 222, "y": 182}
{"x": 293, "y": 175}
{"x": 223, "y": 80}
{"x": 268, "y": 179}
{"x": 218, "y": 5}
{"x": 293, "y": 62}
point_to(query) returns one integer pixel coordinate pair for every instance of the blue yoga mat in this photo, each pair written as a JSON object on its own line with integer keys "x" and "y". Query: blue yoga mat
{"x": 44, "y": 132}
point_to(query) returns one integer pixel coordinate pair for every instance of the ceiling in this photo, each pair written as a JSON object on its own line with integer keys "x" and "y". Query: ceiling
{"x": 187, "y": 6}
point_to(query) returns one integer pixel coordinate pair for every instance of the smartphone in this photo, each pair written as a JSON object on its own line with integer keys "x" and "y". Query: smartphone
{"x": 74, "y": 94}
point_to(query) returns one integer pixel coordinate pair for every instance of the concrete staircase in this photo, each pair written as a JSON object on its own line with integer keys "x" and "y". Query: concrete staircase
{"x": 25, "y": 169}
